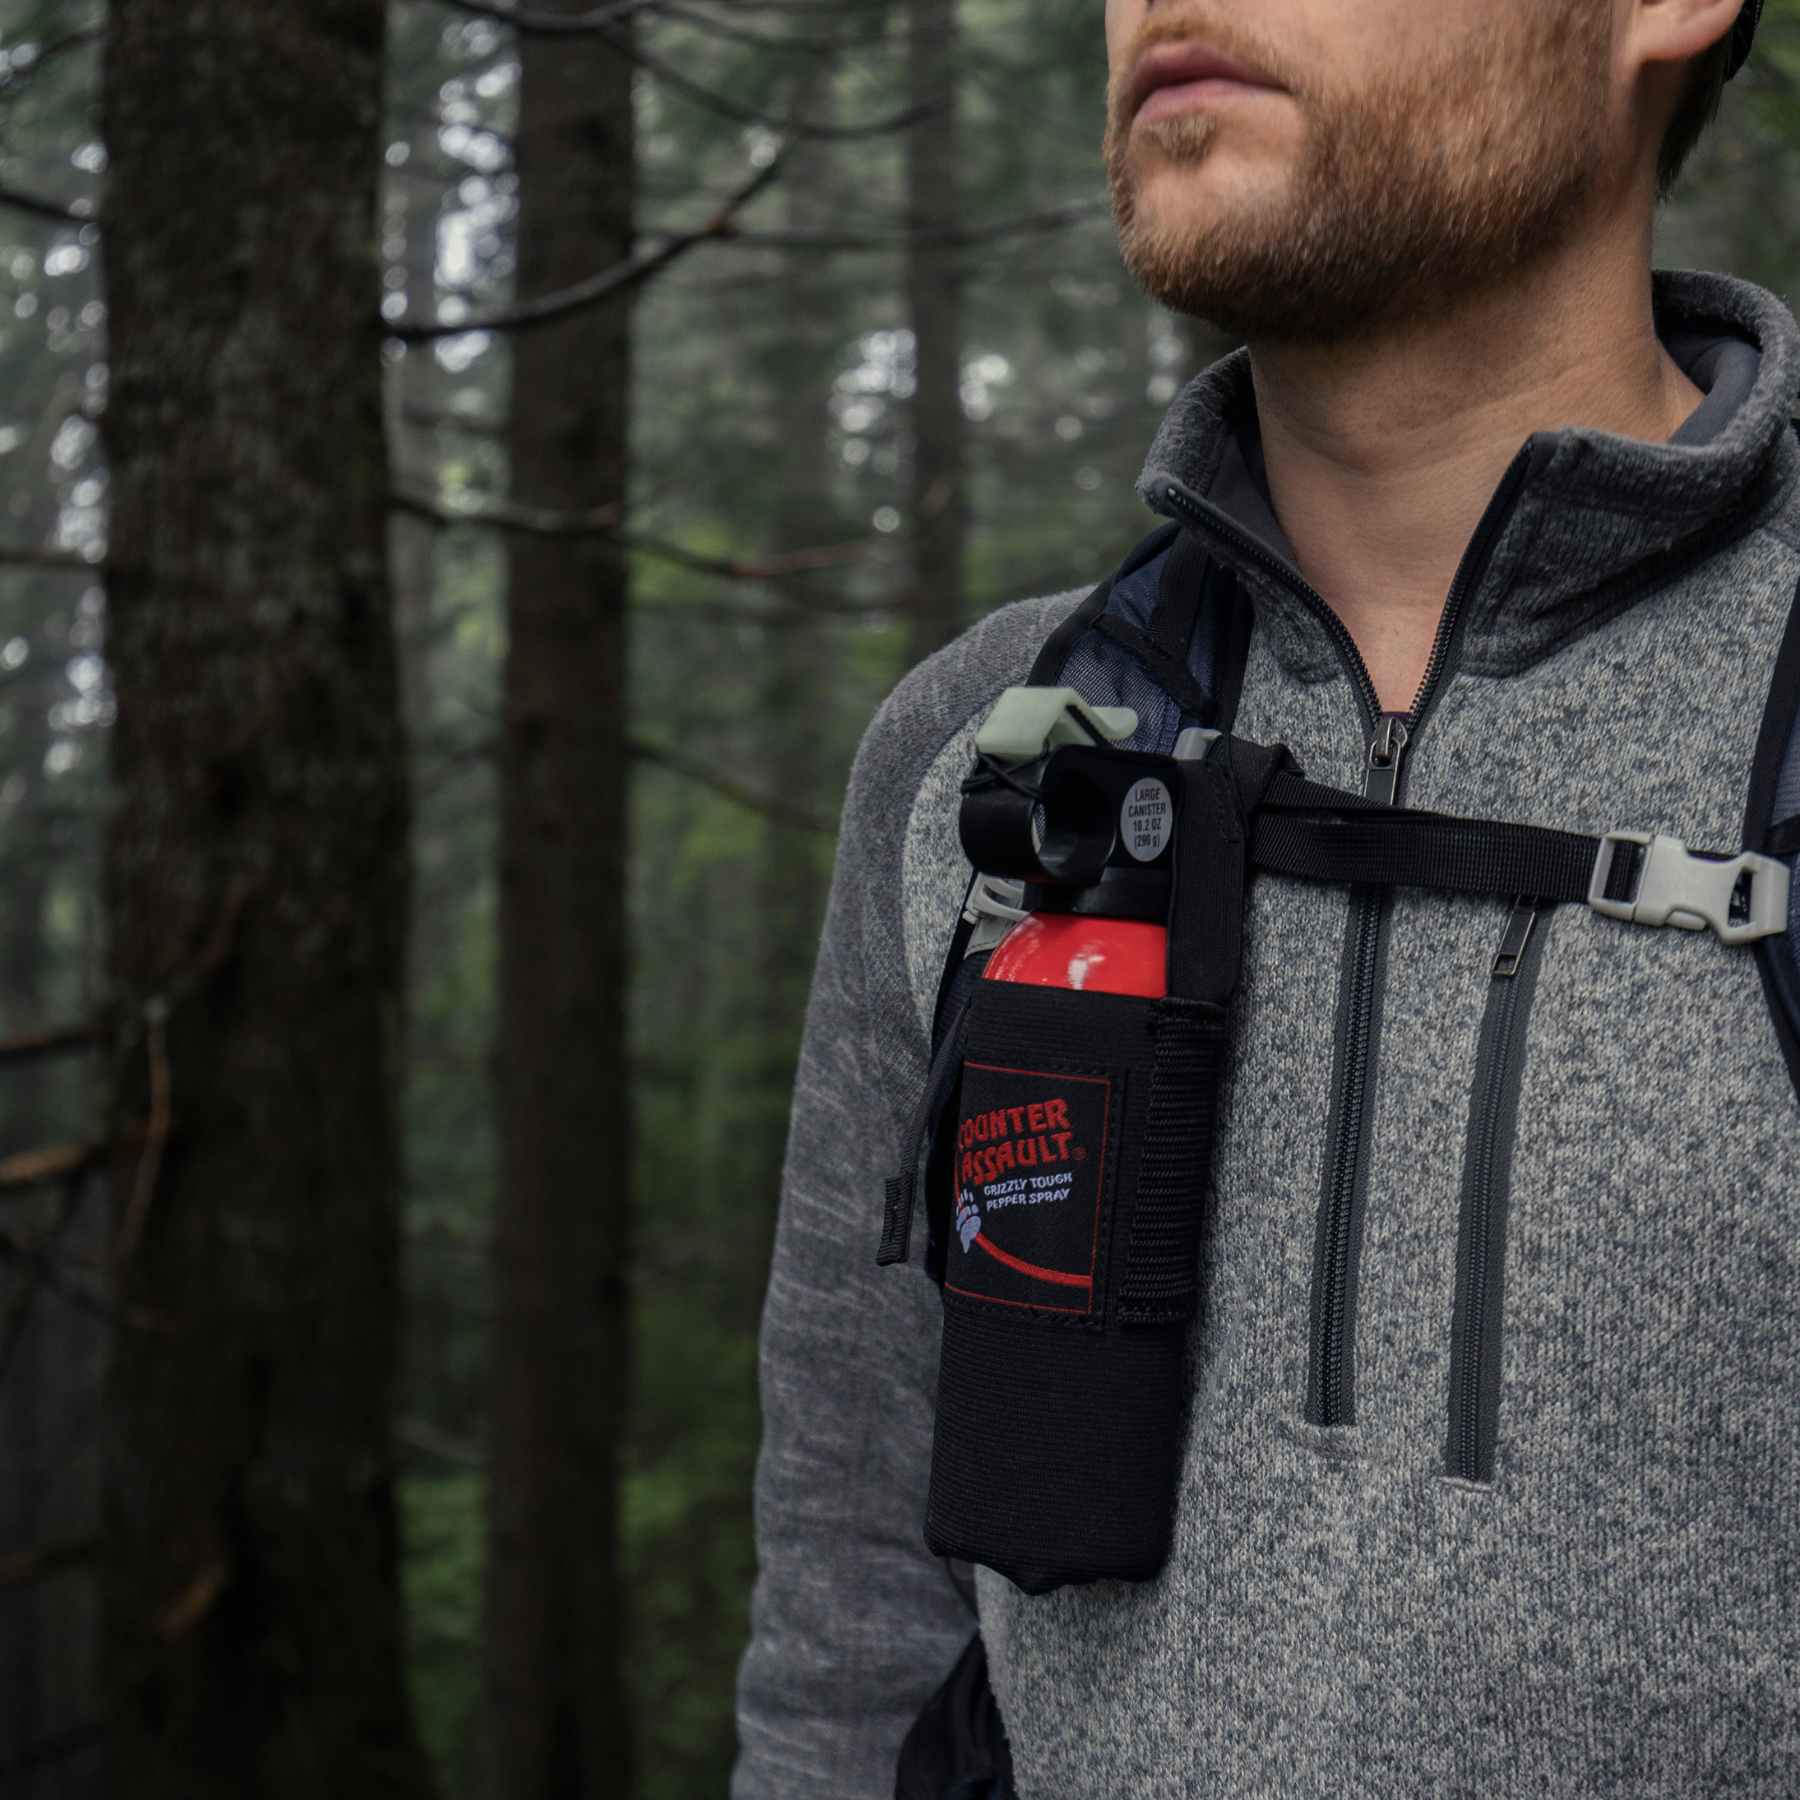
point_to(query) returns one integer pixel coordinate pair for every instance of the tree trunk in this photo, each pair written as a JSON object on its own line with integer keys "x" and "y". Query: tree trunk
{"x": 557, "y": 1723}
{"x": 25, "y": 1467}
{"x": 796, "y": 705}
{"x": 938, "y": 503}
{"x": 256, "y": 898}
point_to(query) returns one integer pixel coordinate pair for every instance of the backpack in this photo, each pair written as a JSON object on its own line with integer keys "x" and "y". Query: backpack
{"x": 1166, "y": 635}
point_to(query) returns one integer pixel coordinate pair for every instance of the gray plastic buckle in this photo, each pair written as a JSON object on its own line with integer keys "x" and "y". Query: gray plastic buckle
{"x": 993, "y": 909}
{"x": 1676, "y": 887}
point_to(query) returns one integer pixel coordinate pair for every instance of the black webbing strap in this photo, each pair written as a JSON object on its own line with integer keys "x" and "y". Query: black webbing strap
{"x": 1214, "y": 851}
{"x": 1189, "y": 1043}
{"x": 1190, "y": 1025}
{"x": 1783, "y": 837}
{"x": 1322, "y": 834}
{"x": 901, "y": 1191}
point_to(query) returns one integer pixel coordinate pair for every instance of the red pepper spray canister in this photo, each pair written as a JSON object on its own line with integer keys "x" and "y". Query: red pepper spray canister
{"x": 1093, "y": 953}
{"x": 1069, "y": 950}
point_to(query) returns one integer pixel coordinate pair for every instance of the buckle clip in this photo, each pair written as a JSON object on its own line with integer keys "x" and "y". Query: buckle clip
{"x": 1676, "y": 887}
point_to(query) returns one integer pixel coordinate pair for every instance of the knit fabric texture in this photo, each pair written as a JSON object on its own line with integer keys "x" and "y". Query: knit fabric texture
{"x": 1614, "y": 1611}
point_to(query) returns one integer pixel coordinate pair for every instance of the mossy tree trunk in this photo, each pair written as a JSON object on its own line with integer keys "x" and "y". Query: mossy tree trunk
{"x": 256, "y": 897}
{"x": 557, "y": 1722}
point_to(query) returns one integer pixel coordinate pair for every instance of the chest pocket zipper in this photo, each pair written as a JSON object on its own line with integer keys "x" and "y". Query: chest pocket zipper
{"x": 1475, "y": 1331}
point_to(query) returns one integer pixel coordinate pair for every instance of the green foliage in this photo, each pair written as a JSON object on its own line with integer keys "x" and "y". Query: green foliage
{"x": 441, "y": 1532}
{"x": 688, "y": 1541}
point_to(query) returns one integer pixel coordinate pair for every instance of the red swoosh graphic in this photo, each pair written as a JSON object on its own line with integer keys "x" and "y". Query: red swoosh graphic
{"x": 1059, "y": 1276}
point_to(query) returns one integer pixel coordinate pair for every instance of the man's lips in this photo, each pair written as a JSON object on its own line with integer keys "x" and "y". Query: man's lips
{"x": 1185, "y": 65}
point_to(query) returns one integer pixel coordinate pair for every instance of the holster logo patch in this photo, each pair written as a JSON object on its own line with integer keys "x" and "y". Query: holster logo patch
{"x": 1029, "y": 1163}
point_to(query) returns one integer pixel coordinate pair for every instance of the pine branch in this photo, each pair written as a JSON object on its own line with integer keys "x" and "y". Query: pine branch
{"x": 608, "y": 283}
{"x": 770, "y": 806}
{"x": 22, "y": 1567}
{"x": 602, "y": 522}
{"x": 812, "y": 46}
{"x": 602, "y": 23}
{"x": 27, "y": 1169}
{"x": 48, "y": 1043}
{"x": 420, "y": 1434}
{"x": 782, "y": 812}
{"x": 956, "y": 238}
{"x": 531, "y": 23}
{"x": 35, "y": 1266}
{"x": 25, "y": 556}
{"x": 76, "y": 212}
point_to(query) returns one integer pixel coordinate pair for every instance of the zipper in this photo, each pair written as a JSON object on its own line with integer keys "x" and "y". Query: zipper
{"x": 1208, "y": 517}
{"x": 1331, "y": 1395}
{"x": 1487, "y": 1160}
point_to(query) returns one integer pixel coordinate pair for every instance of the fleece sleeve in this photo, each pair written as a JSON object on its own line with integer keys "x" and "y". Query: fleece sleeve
{"x": 853, "y": 1621}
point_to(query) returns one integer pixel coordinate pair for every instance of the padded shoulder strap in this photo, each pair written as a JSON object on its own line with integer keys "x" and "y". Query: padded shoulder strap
{"x": 1167, "y": 635}
{"x": 1057, "y": 646}
{"x": 1772, "y": 825}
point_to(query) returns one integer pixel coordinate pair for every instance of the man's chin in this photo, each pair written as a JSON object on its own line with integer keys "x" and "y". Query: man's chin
{"x": 1252, "y": 299}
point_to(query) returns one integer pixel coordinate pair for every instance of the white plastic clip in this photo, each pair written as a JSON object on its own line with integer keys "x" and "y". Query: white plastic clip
{"x": 1029, "y": 722}
{"x": 1676, "y": 887}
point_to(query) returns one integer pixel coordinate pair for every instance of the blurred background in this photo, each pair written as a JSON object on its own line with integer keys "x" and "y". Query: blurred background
{"x": 469, "y": 475}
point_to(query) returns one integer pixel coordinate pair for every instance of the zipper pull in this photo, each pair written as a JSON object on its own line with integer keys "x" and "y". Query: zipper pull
{"x": 1386, "y": 751}
{"x": 1517, "y": 936}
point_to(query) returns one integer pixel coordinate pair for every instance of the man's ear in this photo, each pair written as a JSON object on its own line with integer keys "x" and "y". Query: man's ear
{"x": 1675, "y": 31}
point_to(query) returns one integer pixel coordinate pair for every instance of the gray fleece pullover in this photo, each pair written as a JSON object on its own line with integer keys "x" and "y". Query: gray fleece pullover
{"x": 1617, "y": 1610}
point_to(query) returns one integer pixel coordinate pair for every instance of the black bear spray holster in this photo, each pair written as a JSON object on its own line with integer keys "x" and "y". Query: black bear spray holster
{"x": 1067, "y": 1189}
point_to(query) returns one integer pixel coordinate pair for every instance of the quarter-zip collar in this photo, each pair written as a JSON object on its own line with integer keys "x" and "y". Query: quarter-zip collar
{"x": 1588, "y": 521}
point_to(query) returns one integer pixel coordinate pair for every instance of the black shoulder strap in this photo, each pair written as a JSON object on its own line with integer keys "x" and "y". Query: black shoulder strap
{"x": 1778, "y": 959}
{"x": 1164, "y": 645}
{"x": 1056, "y": 647}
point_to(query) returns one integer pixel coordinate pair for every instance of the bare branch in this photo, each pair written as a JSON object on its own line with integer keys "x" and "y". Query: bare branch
{"x": 27, "y": 1169}
{"x": 24, "y": 1566}
{"x": 636, "y": 269}
{"x": 965, "y": 238}
{"x": 778, "y": 618}
{"x": 24, "y": 556}
{"x": 781, "y": 811}
{"x": 18, "y": 78}
{"x": 602, "y": 521}
{"x": 41, "y": 207}
{"x": 812, "y": 46}
{"x": 420, "y": 1434}
{"x": 770, "y": 806}
{"x": 36, "y": 1266}
{"x": 425, "y": 418}
{"x": 155, "y": 1011}
{"x": 61, "y": 1042}
{"x": 18, "y": 1312}
{"x": 602, "y": 23}
{"x": 547, "y": 24}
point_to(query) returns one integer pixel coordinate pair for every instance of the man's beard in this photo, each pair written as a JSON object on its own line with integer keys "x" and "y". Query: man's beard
{"x": 1407, "y": 194}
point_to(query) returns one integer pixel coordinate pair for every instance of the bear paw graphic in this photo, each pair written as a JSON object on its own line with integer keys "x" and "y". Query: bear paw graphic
{"x": 968, "y": 1220}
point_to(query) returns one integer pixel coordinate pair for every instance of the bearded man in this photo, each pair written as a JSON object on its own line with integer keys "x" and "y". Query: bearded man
{"x": 1485, "y": 1480}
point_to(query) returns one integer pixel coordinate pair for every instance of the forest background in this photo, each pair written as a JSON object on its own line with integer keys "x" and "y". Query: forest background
{"x": 468, "y": 477}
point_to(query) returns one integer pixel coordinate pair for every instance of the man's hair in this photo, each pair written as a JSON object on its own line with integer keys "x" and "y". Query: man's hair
{"x": 1699, "y": 105}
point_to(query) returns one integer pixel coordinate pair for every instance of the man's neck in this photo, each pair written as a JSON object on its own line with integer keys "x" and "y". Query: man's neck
{"x": 1382, "y": 454}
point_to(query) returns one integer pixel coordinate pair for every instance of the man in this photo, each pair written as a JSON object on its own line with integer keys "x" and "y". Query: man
{"x": 1485, "y": 477}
